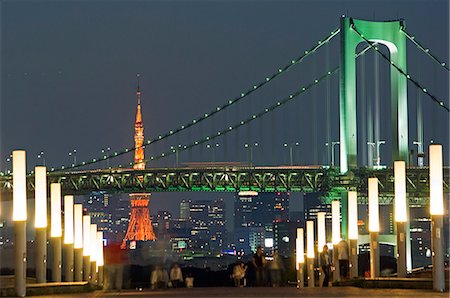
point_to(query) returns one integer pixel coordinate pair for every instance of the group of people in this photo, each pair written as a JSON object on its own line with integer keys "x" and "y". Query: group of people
{"x": 325, "y": 261}
{"x": 260, "y": 267}
{"x": 160, "y": 279}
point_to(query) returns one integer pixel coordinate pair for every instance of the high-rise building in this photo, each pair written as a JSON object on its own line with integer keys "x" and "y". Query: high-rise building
{"x": 185, "y": 207}
{"x": 199, "y": 213}
{"x": 140, "y": 226}
{"x": 217, "y": 224}
{"x": 258, "y": 210}
{"x": 164, "y": 220}
{"x": 97, "y": 206}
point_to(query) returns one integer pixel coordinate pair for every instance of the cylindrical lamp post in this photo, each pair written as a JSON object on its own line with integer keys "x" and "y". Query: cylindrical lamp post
{"x": 100, "y": 261}
{"x": 374, "y": 228}
{"x": 437, "y": 216}
{"x": 353, "y": 232}
{"x": 335, "y": 236}
{"x": 40, "y": 222}
{"x": 20, "y": 221}
{"x": 93, "y": 245}
{"x": 78, "y": 242}
{"x": 321, "y": 240}
{"x": 68, "y": 238}
{"x": 86, "y": 248}
{"x": 310, "y": 252}
{"x": 56, "y": 230}
{"x": 400, "y": 212}
{"x": 300, "y": 257}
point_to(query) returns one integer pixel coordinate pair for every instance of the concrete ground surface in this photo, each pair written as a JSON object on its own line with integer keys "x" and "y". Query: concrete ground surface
{"x": 262, "y": 292}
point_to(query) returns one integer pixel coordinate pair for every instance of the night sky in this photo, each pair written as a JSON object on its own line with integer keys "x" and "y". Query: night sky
{"x": 68, "y": 76}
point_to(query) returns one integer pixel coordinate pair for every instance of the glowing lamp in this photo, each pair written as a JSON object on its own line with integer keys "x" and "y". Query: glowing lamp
{"x": 68, "y": 220}
{"x": 335, "y": 222}
{"x": 19, "y": 185}
{"x": 374, "y": 216}
{"x": 86, "y": 235}
{"x": 352, "y": 215}
{"x": 55, "y": 206}
{"x": 400, "y": 191}
{"x": 436, "y": 179}
{"x": 321, "y": 236}
{"x": 299, "y": 248}
{"x": 40, "y": 197}
{"x": 93, "y": 242}
{"x": 100, "y": 261}
{"x": 310, "y": 239}
{"x": 78, "y": 225}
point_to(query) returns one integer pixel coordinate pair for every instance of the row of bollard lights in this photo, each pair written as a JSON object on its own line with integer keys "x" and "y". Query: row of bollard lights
{"x": 81, "y": 248}
{"x": 400, "y": 214}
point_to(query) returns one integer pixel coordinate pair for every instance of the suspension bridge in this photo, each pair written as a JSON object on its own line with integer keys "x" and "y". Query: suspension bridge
{"x": 88, "y": 175}
{"x": 347, "y": 181}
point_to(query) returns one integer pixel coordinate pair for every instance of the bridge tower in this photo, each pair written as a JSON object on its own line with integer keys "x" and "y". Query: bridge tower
{"x": 388, "y": 33}
{"x": 140, "y": 226}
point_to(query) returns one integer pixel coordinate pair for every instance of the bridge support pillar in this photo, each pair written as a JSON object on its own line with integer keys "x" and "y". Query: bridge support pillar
{"x": 78, "y": 264}
{"x": 374, "y": 255}
{"x": 389, "y": 34}
{"x": 41, "y": 255}
{"x": 344, "y": 215}
{"x": 56, "y": 259}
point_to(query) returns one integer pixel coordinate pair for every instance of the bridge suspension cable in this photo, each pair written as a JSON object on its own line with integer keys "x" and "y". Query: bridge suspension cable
{"x": 408, "y": 77}
{"x": 203, "y": 117}
{"x": 254, "y": 116}
{"x": 425, "y": 50}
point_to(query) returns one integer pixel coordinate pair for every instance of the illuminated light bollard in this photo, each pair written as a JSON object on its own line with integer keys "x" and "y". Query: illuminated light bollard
{"x": 78, "y": 242}
{"x": 40, "y": 223}
{"x": 94, "y": 246}
{"x": 20, "y": 221}
{"x": 336, "y": 236}
{"x": 374, "y": 228}
{"x": 310, "y": 252}
{"x": 300, "y": 257}
{"x": 321, "y": 241}
{"x": 56, "y": 231}
{"x": 437, "y": 216}
{"x": 68, "y": 238}
{"x": 400, "y": 213}
{"x": 100, "y": 261}
{"x": 353, "y": 232}
{"x": 86, "y": 248}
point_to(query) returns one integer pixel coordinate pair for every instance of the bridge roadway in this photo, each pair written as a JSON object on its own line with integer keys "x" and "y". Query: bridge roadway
{"x": 263, "y": 292}
{"x": 236, "y": 178}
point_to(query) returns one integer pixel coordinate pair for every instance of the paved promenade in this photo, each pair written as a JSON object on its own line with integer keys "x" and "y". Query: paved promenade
{"x": 265, "y": 292}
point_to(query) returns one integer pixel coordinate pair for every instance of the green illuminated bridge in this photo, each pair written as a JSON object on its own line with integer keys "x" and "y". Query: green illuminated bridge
{"x": 236, "y": 178}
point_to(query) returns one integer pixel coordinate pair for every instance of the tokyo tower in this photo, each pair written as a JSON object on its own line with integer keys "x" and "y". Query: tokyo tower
{"x": 140, "y": 226}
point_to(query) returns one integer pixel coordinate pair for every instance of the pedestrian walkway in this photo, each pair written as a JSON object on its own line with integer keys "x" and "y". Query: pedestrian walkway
{"x": 264, "y": 292}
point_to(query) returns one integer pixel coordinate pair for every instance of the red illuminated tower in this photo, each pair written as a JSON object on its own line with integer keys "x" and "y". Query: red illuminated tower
{"x": 140, "y": 226}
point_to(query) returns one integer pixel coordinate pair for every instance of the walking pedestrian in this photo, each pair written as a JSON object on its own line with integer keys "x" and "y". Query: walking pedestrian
{"x": 325, "y": 264}
{"x": 343, "y": 259}
{"x": 259, "y": 264}
{"x": 176, "y": 276}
